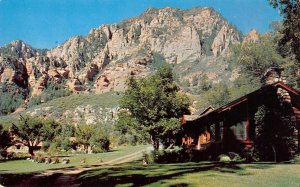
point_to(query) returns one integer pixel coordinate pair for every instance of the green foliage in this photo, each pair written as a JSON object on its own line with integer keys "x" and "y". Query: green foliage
{"x": 252, "y": 60}
{"x": 204, "y": 84}
{"x": 67, "y": 131}
{"x": 53, "y": 148}
{"x": 33, "y": 131}
{"x": 177, "y": 154}
{"x": 99, "y": 141}
{"x": 34, "y": 101}
{"x": 84, "y": 134}
{"x": 66, "y": 144}
{"x": 51, "y": 92}
{"x": 274, "y": 139}
{"x": 290, "y": 40}
{"x": 54, "y": 91}
{"x": 130, "y": 131}
{"x": 153, "y": 99}
{"x": 62, "y": 139}
{"x": 158, "y": 61}
{"x": 12, "y": 97}
{"x": 255, "y": 58}
{"x": 186, "y": 83}
{"x": 218, "y": 95}
{"x": 5, "y": 139}
{"x": 46, "y": 145}
{"x": 91, "y": 135}
{"x": 170, "y": 128}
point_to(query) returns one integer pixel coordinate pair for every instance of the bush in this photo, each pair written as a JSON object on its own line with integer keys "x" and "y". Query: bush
{"x": 35, "y": 158}
{"x": 3, "y": 153}
{"x": 66, "y": 144}
{"x": 100, "y": 141}
{"x": 53, "y": 149}
{"x": 132, "y": 139}
{"x": 122, "y": 140}
{"x": 22, "y": 155}
{"x": 65, "y": 161}
{"x": 224, "y": 158}
{"x": 46, "y": 145}
{"x": 41, "y": 159}
{"x": 48, "y": 160}
{"x": 169, "y": 155}
{"x": 148, "y": 157}
{"x": 97, "y": 149}
{"x": 54, "y": 160}
{"x": 11, "y": 155}
{"x": 2, "y": 158}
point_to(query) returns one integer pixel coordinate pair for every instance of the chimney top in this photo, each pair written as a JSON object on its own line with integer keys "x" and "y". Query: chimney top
{"x": 272, "y": 75}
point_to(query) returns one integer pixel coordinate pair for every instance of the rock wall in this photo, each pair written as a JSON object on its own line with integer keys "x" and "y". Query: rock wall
{"x": 102, "y": 61}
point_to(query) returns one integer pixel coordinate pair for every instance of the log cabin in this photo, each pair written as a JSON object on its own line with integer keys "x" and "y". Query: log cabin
{"x": 238, "y": 117}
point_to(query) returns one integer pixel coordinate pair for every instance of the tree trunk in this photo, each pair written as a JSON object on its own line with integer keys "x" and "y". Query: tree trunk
{"x": 30, "y": 150}
{"x": 155, "y": 142}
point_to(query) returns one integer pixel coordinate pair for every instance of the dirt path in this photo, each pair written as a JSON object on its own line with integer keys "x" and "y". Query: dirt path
{"x": 66, "y": 177}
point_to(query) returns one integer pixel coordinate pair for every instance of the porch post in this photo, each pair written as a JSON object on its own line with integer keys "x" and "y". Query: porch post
{"x": 248, "y": 130}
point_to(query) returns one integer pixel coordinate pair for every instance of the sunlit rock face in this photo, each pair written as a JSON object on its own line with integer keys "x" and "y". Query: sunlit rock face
{"x": 194, "y": 41}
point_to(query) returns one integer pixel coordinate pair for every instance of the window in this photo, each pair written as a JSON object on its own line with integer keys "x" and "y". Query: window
{"x": 240, "y": 130}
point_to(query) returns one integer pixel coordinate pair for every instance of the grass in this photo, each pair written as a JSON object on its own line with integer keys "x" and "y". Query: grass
{"x": 20, "y": 169}
{"x": 194, "y": 174}
{"x": 24, "y": 166}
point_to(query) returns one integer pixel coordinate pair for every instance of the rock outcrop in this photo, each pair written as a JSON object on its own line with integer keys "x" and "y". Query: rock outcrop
{"x": 195, "y": 41}
{"x": 251, "y": 37}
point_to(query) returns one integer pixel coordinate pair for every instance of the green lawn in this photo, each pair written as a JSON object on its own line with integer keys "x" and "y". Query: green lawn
{"x": 25, "y": 166}
{"x": 20, "y": 169}
{"x": 195, "y": 174}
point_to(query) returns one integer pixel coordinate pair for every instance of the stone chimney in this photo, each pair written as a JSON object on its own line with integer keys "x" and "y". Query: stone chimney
{"x": 272, "y": 75}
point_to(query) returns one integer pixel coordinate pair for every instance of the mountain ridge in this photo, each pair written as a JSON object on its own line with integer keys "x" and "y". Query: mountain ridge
{"x": 194, "y": 41}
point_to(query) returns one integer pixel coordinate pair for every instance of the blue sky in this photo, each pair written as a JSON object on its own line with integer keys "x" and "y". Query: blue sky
{"x": 47, "y": 23}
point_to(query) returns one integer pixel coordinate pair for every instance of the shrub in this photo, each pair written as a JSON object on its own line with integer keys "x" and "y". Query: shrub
{"x": 48, "y": 160}
{"x": 54, "y": 160}
{"x": 132, "y": 139}
{"x": 11, "y": 155}
{"x": 122, "y": 140}
{"x": 46, "y": 145}
{"x": 148, "y": 157}
{"x": 169, "y": 155}
{"x": 66, "y": 144}
{"x": 41, "y": 159}
{"x": 53, "y": 149}
{"x": 3, "y": 153}
{"x": 65, "y": 161}
{"x": 100, "y": 141}
{"x": 35, "y": 158}
{"x": 97, "y": 149}
{"x": 224, "y": 158}
{"x": 22, "y": 155}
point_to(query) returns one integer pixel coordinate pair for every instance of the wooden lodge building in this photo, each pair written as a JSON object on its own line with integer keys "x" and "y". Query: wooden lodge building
{"x": 238, "y": 116}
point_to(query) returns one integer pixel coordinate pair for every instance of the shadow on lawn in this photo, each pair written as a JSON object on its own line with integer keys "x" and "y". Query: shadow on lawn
{"x": 136, "y": 175}
{"x": 32, "y": 179}
{"x": 8, "y": 179}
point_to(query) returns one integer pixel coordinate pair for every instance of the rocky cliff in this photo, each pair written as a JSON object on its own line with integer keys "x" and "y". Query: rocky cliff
{"x": 194, "y": 41}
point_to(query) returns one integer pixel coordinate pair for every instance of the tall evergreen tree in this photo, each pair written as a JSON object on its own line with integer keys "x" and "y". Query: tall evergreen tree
{"x": 290, "y": 42}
